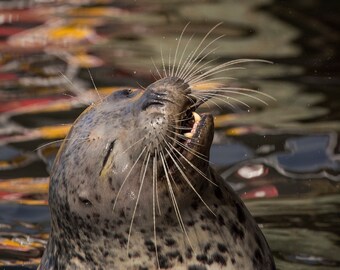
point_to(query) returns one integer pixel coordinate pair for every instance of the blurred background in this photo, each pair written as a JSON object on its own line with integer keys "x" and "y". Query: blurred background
{"x": 282, "y": 157}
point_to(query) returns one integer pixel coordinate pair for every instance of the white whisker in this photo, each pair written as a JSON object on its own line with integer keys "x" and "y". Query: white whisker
{"x": 174, "y": 201}
{"x": 220, "y": 97}
{"x": 125, "y": 179}
{"x": 178, "y": 43}
{"x": 154, "y": 192}
{"x": 147, "y": 157}
{"x": 163, "y": 64}
{"x": 94, "y": 85}
{"x": 157, "y": 70}
{"x": 189, "y": 60}
{"x": 188, "y": 181}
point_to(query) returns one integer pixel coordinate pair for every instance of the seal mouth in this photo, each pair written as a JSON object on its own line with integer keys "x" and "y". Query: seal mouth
{"x": 192, "y": 139}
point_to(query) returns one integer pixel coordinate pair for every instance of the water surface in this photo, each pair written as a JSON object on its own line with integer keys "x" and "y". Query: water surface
{"x": 282, "y": 158}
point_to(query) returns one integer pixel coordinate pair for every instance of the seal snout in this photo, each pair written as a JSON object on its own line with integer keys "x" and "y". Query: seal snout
{"x": 170, "y": 91}
{"x": 154, "y": 99}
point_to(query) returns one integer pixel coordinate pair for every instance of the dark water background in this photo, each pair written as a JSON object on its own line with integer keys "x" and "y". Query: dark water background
{"x": 282, "y": 158}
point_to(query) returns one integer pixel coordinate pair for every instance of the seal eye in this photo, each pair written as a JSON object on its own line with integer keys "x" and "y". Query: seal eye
{"x": 127, "y": 92}
{"x": 85, "y": 202}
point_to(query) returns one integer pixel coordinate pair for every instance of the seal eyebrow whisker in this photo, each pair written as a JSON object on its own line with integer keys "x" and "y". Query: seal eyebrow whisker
{"x": 94, "y": 85}
{"x": 125, "y": 179}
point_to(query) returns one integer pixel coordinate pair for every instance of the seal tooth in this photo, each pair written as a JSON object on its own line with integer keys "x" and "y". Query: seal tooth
{"x": 197, "y": 117}
{"x": 188, "y": 135}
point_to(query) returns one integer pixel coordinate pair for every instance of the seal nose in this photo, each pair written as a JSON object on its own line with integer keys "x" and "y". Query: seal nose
{"x": 153, "y": 99}
{"x": 168, "y": 91}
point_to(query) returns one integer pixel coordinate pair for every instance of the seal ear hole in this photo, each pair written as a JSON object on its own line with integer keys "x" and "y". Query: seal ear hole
{"x": 84, "y": 201}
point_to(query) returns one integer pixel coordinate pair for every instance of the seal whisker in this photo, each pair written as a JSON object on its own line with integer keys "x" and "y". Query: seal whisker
{"x": 156, "y": 152}
{"x": 172, "y": 197}
{"x": 94, "y": 85}
{"x": 194, "y": 63}
{"x": 145, "y": 164}
{"x": 240, "y": 94}
{"x": 203, "y": 67}
{"x": 194, "y": 54}
{"x": 154, "y": 192}
{"x": 180, "y": 127}
{"x": 205, "y": 98}
{"x": 53, "y": 142}
{"x": 211, "y": 72}
{"x": 182, "y": 137}
{"x": 220, "y": 97}
{"x": 194, "y": 167}
{"x": 238, "y": 89}
{"x": 132, "y": 145}
{"x": 179, "y": 67}
{"x": 223, "y": 67}
{"x": 74, "y": 90}
{"x": 163, "y": 64}
{"x": 195, "y": 153}
{"x": 125, "y": 179}
{"x": 178, "y": 43}
{"x": 169, "y": 63}
{"x": 188, "y": 181}
{"x": 157, "y": 70}
{"x": 174, "y": 201}
{"x": 192, "y": 71}
{"x": 218, "y": 79}
{"x": 168, "y": 169}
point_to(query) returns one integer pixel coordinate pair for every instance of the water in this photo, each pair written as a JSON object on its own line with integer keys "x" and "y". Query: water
{"x": 282, "y": 158}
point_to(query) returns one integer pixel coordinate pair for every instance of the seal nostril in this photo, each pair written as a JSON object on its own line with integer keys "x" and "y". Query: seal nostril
{"x": 149, "y": 103}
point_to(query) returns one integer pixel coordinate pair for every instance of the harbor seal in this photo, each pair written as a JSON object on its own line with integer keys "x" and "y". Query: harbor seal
{"x": 131, "y": 186}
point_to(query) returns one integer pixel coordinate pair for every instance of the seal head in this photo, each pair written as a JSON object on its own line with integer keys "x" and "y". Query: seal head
{"x": 131, "y": 188}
